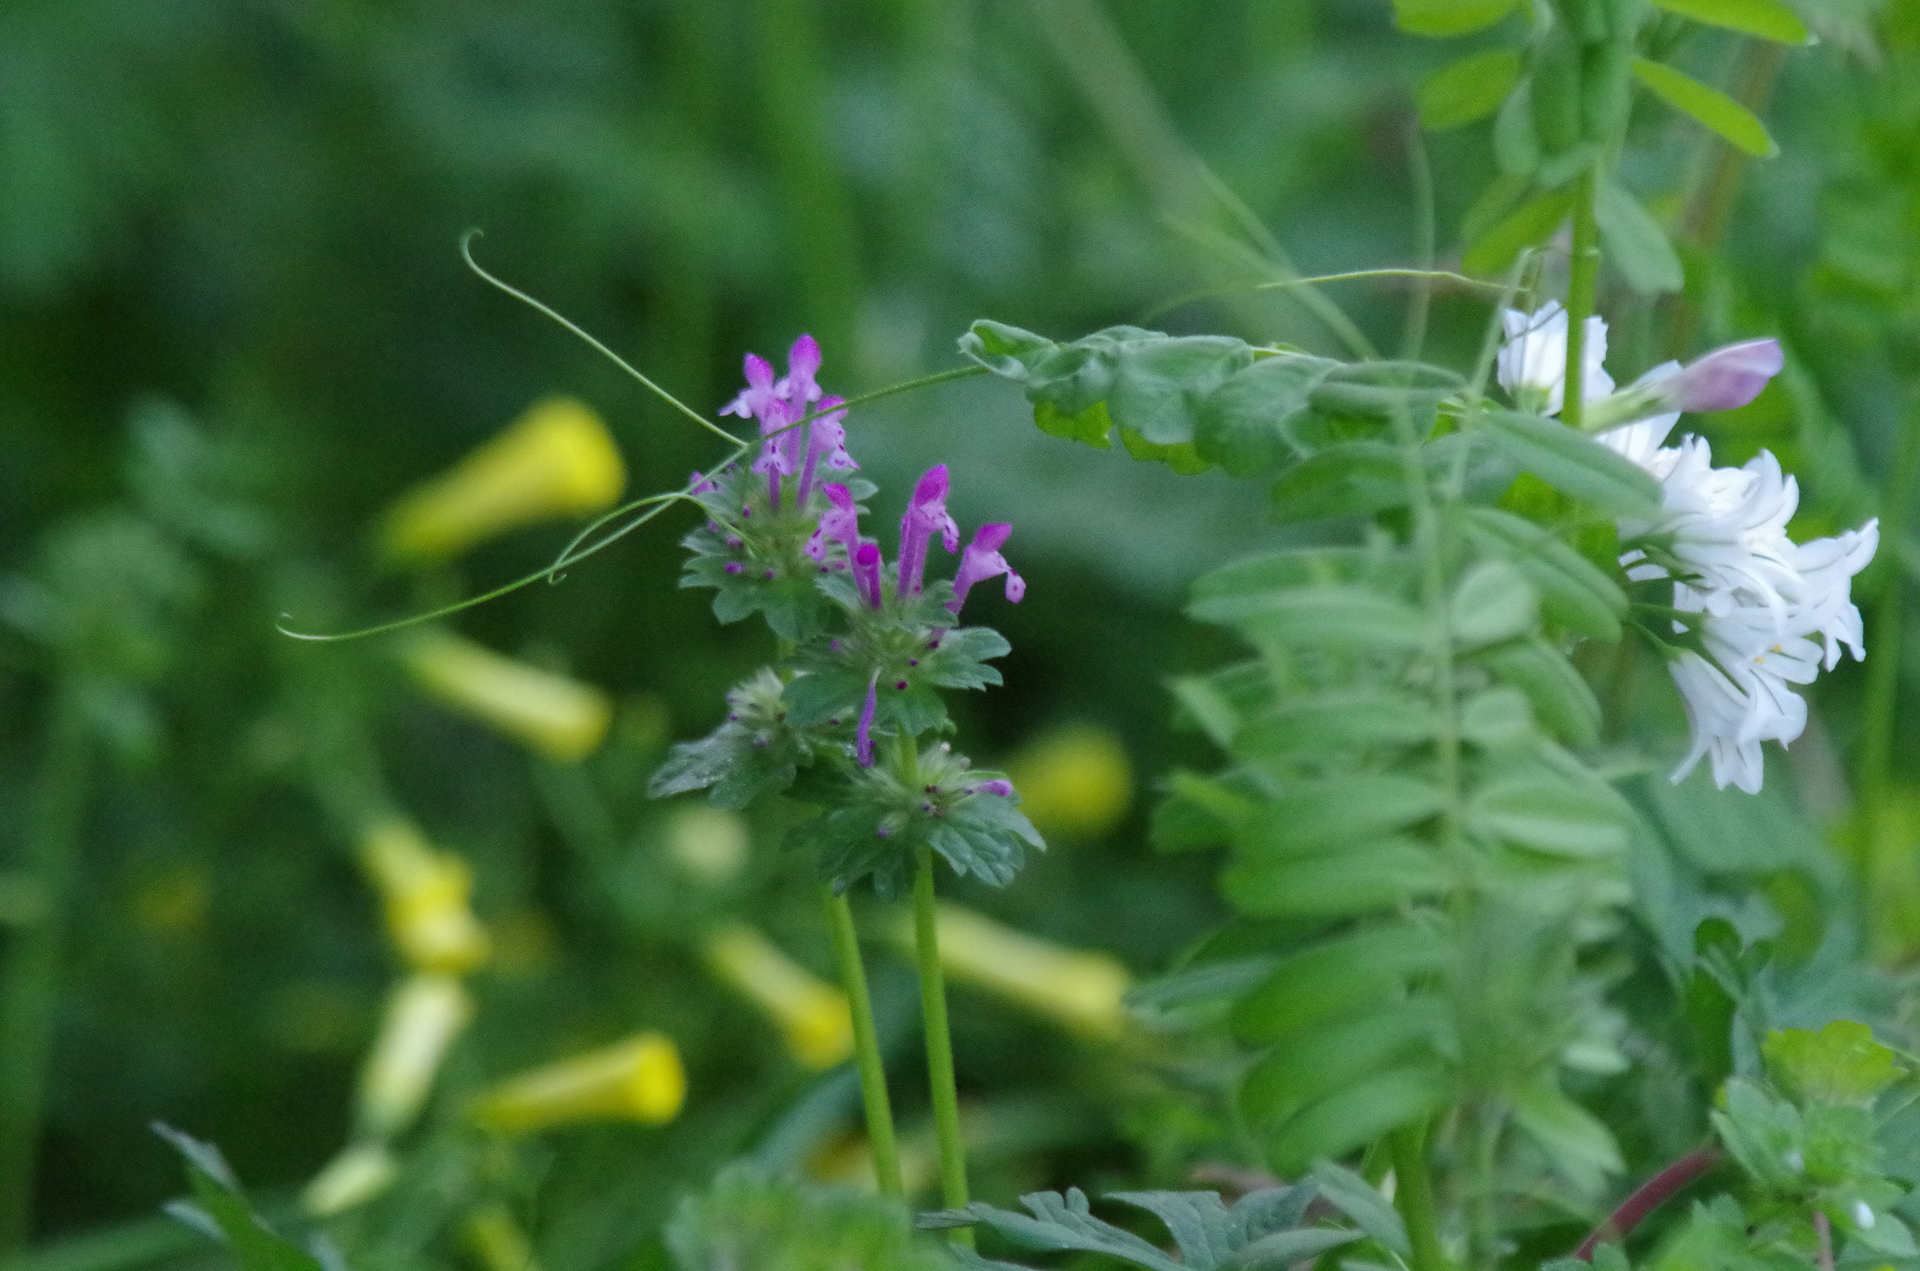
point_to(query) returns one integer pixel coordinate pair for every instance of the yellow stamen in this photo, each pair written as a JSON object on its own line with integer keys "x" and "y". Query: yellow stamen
{"x": 813, "y": 1016}
{"x": 1074, "y": 781}
{"x": 424, "y": 1015}
{"x": 426, "y": 894}
{"x": 639, "y": 1079}
{"x": 1080, "y": 989}
{"x": 555, "y": 461}
{"x": 558, "y": 717}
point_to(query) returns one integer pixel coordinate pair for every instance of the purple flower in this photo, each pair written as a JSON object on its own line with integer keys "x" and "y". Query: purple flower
{"x": 1001, "y": 787}
{"x": 866, "y": 572}
{"x": 982, "y": 560}
{"x": 698, "y": 484}
{"x": 826, "y": 439}
{"x": 778, "y": 405}
{"x": 926, "y": 515}
{"x": 1726, "y": 378}
{"x": 840, "y": 523}
{"x": 803, "y": 361}
{"x": 759, "y": 394}
{"x": 863, "y": 736}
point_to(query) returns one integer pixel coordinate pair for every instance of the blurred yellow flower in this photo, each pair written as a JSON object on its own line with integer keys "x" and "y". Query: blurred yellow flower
{"x": 427, "y": 895}
{"x": 359, "y": 1173}
{"x": 708, "y": 843}
{"x": 555, "y": 461}
{"x": 813, "y": 1016}
{"x": 424, "y": 1015}
{"x": 1074, "y": 781}
{"x": 498, "y": 1242}
{"x": 552, "y": 714}
{"x": 1077, "y": 988}
{"x": 639, "y": 1079}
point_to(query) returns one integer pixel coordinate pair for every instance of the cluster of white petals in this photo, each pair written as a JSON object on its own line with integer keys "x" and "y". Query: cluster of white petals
{"x": 1773, "y": 612}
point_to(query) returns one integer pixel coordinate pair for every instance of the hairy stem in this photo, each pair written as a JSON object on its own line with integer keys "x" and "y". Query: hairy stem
{"x": 1413, "y": 1197}
{"x": 30, "y": 974}
{"x": 933, "y": 1006}
{"x": 866, "y": 1045}
{"x": 1647, "y": 1197}
{"x": 1580, "y": 288}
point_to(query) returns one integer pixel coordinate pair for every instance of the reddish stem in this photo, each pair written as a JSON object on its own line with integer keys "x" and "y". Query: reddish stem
{"x": 1649, "y": 1196}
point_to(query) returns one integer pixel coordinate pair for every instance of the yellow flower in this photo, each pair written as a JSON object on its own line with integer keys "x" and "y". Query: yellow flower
{"x": 424, "y": 1015}
{"x": 555, "y": 461}
{"x": 1077, "y": 988}
{"x": 813, "y": 1016}
{"x": 558, "y": 717}
{"x": 359, "y": 1173}
{"x": 708, "y": 843}
{"x": 426, "y": 894}
{"x": 639, "y": 1079}
{"x": 1074, "y": 781}
{"x": 497, "y": 1241}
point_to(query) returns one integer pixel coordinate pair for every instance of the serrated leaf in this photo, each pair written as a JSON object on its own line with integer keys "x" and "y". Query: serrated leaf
{"x": 1272, "y": 1210}
{"x": 1494, "y": 601}
{"x": 1840, "y": 1064}
{"x": 1358, "y": 880}
{"x": 987, "y": 836}
{"x": 960, "y": 659}
{"x": 1529, "y": 225}
{"x": 1740, "y": 127}
{"x": 1635, "y": 243}
{"x": 1468, "y": 90}
{"x": 1573, "y": 463}
{"x": 1288, "y": 1249}
{"x": 1243, "y": 423}
{"x": 1329, "y": 617}
{"x": 1573, "y": 591}
{"x": 1058, "y": 1223}
{"x": 1340, "y": 976}
{"x": 1443, "y": 19}
{"x": 1353, "y": 1196}
{"x": 1765, "y": 19}
{"x": 1548, "y": 816}
{"x": 1202, "y": 1227}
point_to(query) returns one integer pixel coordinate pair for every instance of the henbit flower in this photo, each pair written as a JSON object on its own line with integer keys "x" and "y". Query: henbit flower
{"x": 839, "y": 523}
{"x": 925, "y": 516}
{"x": 754, "y": 401}
{"x": 982, "y": 560}
{"x": 826, "y": 439}
{"x": 1532, "y": 365}
{"x": 778, "y": 405}
{"x": 803, "y": 363}
{"x": 863, "y": 735}
{"x": 866, "y": 573}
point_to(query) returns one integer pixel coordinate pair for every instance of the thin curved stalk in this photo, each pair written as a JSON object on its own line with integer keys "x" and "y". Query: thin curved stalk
{"x": 933, "y": 1005}
{"x": 866, "y": 1045}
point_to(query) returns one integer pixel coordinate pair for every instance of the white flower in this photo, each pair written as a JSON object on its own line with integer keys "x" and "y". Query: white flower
{"x": 1532, "y": 366}
{"x": 1863, "y": 1215}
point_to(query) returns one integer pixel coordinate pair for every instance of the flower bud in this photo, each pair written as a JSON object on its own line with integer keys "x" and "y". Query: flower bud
{"x": 558, "y": 717}
{"x": 639, "y": 1079}
{"x": 359, "y": 1173}
{"x": 498, "y": 1242}
{"x": 1079, "y": 989}
{"x": 1726, "y": 378}
{"x": 426, "y": 898}
{"x": 813, "y": 1016}
{"x": 555, "y": 461}
{"x": 1074, "y": 781}
{"x": 424, "y": 1015}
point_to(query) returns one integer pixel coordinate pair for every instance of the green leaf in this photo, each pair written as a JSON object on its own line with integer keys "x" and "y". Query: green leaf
{"x": 1359, "y": 1114}
{"x": 256, "y": 1246}
{"x": 1840, "y": 1064}
{"x": 1766, "y": 19}
{"x": 987, "y": 836}
{"x": 1357, "y": 880}
{"x": 1315, "y": 1064}
{"x": 1384, "y": 390}
{"x": 1285, "y": 1249}
{"x": 1576, "y": 1141}
{"x": 1493, "y": 602}
{"x": 1182, "y": 458}
{"x": 1357, "y": 1199}
{"x": 1442, "y": 19}
{"x": 1337, "y": 720}
{"x": 1357, "y": 478}
{"x": 1573, "y": 463}
{"x": 1468, "y": 90}
{"x": 1243, "y": 423}
{"x": 1341, "y": 976}
{"x": 1561, "y": 699}
{"x": 1322, "y": 815}
{"x": 1573, "y": 591}
{"x": 1058, "y": 1223}
{"x": 1530, "y": 225}
{"x": 1711, "y": 107}
{"x": 1092, "y": 425}
{"x": 1635, "y": 243}
{"x": 1548, "y": 816}
{"x": 1160, "y": 384}
{"x": 1332, "y": 617}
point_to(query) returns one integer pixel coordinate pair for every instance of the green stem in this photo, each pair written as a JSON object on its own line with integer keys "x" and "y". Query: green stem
{"x": 1483, "y": 1221}
{"x": 1580, "y": 288}
{"x": 866, "y": 1045}
{"x": 1413, "y": 1197}
{"x": 1883, "y": 673}
{"x": 30, "y": 974}
{"x": 933, "y": 1006}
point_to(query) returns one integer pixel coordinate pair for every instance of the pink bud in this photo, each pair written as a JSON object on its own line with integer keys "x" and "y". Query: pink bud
{"x": 1725, "y": 378}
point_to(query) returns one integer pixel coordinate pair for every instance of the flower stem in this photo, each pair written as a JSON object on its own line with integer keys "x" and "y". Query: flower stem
{"x": 866, "y": 1046}
{"x": 1413, "y": 1197}
{"x": 1647, "y": 1197}
{"x": 30, "y": 974}
{"x": 1580, "y": 288}
{"x": 933, "y": 1005}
